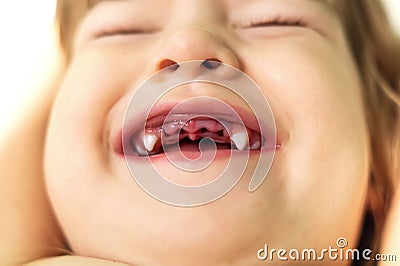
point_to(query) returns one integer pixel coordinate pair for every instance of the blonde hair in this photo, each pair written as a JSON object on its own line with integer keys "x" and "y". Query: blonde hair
{"x": 376, "y": 51}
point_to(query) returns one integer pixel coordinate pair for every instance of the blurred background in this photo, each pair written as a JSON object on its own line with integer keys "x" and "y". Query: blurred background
{"x": 29, "y": 53}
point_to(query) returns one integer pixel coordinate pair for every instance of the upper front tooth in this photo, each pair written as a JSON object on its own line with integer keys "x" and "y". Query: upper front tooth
{"x": 150, "y": 140}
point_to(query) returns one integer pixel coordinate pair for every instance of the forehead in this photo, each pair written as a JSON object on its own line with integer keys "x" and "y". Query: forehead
{"x": 325, "y": 3}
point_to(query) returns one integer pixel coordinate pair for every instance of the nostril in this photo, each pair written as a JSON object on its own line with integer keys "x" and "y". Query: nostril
{"x": 211, "y": 63}
{"x": 166, "y": 63}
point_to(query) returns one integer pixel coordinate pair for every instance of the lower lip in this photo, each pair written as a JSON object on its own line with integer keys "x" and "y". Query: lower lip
{"x": 220, "y": 154}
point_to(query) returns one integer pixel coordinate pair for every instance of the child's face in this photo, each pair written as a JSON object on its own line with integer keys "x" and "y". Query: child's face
{"x": 315, "y": 191}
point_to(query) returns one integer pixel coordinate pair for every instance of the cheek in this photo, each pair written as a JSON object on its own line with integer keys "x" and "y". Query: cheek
{"x": 95, "y": 82}
{"x": 315, "y": 93}
{"x": 321, "y": 170}
{"x": 77, "y": 161}
{"x": 77, "y": 148}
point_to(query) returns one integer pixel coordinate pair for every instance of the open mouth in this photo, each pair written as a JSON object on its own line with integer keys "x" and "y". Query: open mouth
{"x": 163, "y": 132}
{"x": 184, "y": 128}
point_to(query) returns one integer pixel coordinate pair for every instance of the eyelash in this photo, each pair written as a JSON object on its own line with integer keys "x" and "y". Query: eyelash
{"x": 277, "y": 21}
{"x": 122, "y": 31}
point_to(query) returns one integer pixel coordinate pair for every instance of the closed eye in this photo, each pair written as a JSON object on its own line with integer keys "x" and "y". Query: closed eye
{"x": 123, "y": 31}
{"x": 277, "y": 21}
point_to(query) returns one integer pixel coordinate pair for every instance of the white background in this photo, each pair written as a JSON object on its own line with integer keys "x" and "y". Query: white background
{"x": 28, "y": 53}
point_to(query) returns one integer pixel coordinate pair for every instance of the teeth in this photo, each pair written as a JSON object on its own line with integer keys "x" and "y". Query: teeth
{"x": 256, "y": 145}
{"x": 150, "y": 140}
{"x": 239, "y": 137}
{"x": 138, "y": 147}
{"x": 140, "y": 150}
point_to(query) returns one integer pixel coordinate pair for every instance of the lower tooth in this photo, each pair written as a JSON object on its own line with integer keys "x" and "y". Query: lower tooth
{"x": 141, "y": 151}
{"x": 256, "y": 145}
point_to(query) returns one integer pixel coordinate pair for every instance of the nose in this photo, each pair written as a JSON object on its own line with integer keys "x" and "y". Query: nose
{"x": 194, "y": 44}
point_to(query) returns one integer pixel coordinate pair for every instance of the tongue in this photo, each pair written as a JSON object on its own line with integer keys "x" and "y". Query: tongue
{"x": 190, "y": 149}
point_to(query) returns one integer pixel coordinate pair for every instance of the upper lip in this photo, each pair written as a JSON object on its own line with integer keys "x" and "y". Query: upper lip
{"x": 159, "y": 112}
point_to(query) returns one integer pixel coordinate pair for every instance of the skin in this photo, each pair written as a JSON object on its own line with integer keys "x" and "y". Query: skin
{"x": 316, "y": 189}
{"x": 317, "y": 186}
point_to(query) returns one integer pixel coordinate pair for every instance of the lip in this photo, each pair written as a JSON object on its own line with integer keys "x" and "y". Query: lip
{"x": 159, "y": 112}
